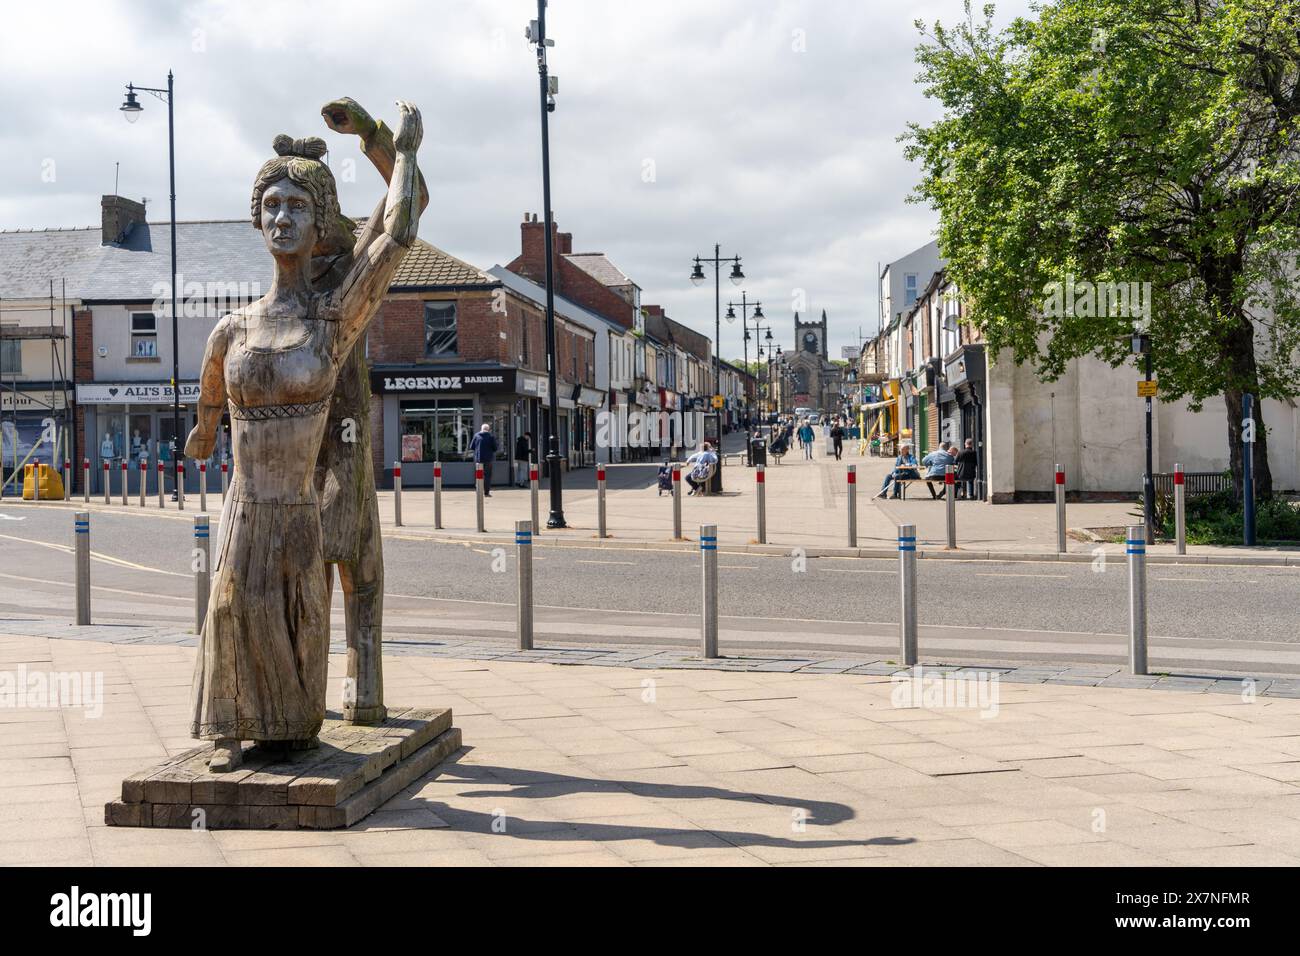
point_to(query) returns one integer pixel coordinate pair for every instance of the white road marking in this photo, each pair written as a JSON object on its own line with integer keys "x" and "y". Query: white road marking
{"x": 992, "y": 574}
{"x": 629, "y": 563}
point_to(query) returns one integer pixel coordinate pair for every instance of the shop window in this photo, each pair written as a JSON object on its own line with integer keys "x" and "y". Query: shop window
{"x": 11, "y": 356}
{"x": 144, "y": 335}
{"x": 439, "y": 329}
{"x": 436, "y": 429}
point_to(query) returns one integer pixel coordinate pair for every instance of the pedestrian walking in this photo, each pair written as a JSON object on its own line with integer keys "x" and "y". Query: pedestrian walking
{"x": 523, "y": 456}
{"x": 936, "y": 466}
{"x": 806, "y": 439}
{"x": 904, "y": 468}
{"x": 484, "y": 448}
{"x": 967, "y": 463}
{"x": 837, "y": 439}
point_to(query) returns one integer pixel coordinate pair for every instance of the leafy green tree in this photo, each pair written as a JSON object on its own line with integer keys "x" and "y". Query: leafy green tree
{"x": 1126, "y": 141}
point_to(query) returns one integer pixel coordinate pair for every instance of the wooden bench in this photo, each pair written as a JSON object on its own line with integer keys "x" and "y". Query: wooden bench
{"x": 904, "y": 482}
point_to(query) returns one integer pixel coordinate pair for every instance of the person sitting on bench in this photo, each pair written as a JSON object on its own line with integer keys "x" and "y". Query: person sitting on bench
{"x": 701, "y": 466}
{"x": 936, "y": 466}
{"x": 904, "y": 468}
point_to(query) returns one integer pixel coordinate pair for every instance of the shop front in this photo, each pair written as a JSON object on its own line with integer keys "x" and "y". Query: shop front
{"x": 135, "y": 422}
{"x": 431, "y": 414}
{"x": 966, "y": 374}
{"x": 26, "y": 435}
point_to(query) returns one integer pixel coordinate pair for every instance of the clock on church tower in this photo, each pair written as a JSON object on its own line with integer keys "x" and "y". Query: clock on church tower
{"x": 810, "y": 343}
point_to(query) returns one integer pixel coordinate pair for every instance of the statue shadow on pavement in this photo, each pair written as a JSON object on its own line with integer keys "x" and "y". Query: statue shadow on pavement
{"x": 542, "y": 785}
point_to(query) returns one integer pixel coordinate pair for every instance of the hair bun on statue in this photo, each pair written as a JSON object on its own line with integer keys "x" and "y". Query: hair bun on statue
{"x": 309, "y": 147}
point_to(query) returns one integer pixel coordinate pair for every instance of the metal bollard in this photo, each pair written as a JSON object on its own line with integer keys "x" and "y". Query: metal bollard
{"x": 853, "y": 506}
{"x": 108, "y": 483}
{"x": 225, "y": 478}
{"x": 1180, "y": 512}
{"x": 180, "y": 484}
{"x": 478, "y": 495}
{"x": 125, "y": 473}
{"x": 760, "y": 486}
{"x": 524, "y": 617}
{"x": 1136, "y": 546}
{"x": 397, "y": 493}
{"x": 203, "y": 485}
{"x": 600, "y": 502}
{"x": 202, "y": 571}
{"x": 533, "y": 484}
{"x": 1060, "y": 510}
{"x": 81, "y": 534}
{"x": 85, "y": 480}
{"x": 709, "y": 562}
{"x": 67, "y": 480}
{"x": 162, "y": 481}
{"x": 144, "y": 479}
{"x": 907, "y": 574}
{"x": 437, "y": 495}
{"x": 950, "y": 492}
{"x": 677, "y": 502}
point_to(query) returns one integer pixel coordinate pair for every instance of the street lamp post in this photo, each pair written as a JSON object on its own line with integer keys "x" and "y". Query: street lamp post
{"x": 737, "y": 277}
{"x": 1142, "y": 346}
{"x": 744, "y": 324}
{"x": 548, "y": 87}
{"x": 131, "y": 110}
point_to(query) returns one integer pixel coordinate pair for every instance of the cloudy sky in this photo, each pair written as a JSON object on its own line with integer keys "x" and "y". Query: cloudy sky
{"x": 769, "y": 126}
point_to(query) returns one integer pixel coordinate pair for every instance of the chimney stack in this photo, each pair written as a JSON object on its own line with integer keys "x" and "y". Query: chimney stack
{"x": 117, "y": 215}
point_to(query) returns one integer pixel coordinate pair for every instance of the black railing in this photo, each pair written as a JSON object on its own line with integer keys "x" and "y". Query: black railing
{"x": 1195, "y": 483}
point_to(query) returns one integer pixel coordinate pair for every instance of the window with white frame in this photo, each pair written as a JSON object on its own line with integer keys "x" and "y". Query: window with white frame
{"x": 144, "y": 335}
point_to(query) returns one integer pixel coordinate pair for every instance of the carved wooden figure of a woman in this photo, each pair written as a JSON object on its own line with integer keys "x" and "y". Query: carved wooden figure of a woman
{"x": 263, "y": 651}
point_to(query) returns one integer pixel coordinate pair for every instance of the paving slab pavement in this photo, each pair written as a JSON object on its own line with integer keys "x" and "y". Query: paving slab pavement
{"x": 620, "y": 766}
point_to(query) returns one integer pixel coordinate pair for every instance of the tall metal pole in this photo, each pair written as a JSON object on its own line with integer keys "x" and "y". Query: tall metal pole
{"x": 1248, "y": 468}
{"x": 176, "y": 350}
{"x": 1149, "y": 486}
{"x": 717, "y": 325}
{"x": 556, "y": 517}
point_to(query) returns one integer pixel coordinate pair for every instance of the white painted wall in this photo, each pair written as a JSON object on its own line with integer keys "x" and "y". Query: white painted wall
{"x": 1092, "y": 421}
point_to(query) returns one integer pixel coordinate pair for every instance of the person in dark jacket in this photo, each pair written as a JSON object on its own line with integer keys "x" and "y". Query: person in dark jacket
{"x": 484, "y": 447}
{"x": 837, "y": 438}
{"x": 967, "y": 463}
{"x": 523, "y": 456}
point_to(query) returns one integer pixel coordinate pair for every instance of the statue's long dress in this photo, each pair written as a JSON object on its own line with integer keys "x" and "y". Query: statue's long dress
{"x": 263, "y": 652}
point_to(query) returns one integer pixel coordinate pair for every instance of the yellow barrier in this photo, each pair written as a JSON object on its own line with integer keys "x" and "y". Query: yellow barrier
{"x": 43, "y": 479}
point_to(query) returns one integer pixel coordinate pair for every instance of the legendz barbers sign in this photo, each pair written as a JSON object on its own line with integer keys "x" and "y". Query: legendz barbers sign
{"x": 467, "y": 381}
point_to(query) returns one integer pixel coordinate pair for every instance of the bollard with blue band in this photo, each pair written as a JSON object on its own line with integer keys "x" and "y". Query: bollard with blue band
{"x": 524, "y": 552}
{"x": 709, "y": 561}
{"x": 1135, "y": 544}
{"x": 907, "y": 578}
{"x": 81, "y": 542}
{"x": 201, "y": 556}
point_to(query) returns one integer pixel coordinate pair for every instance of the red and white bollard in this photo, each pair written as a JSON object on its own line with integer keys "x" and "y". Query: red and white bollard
{"x": 677, "y": 501}
{"x": 162, "y": 481}
{"x": 108, "y": 482}
{"x": 67, "y": 480}
{"x": 225, "y": 478}
{"x": 85, "y": 480}
{"x": 203, "y": 485}
{"x": 760, "y": 488}
{"x": 180, "y": 484}
{"x": 853, "y": 506}
{"x": 950, "y": 494}
{"x": 437, "y": 495}
{"x": 1060, "y": 510}
{"x": 533, "y": 484}
{"x": 125, "y": 473}
{"x": 397, "y": 493}
{"x": 478, "y": 494}
{"x": 1180, "y": 514}
{"x": 144, "y": 479}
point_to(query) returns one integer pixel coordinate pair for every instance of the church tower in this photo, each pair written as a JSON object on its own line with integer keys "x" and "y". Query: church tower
{"x": 811, "y": 336}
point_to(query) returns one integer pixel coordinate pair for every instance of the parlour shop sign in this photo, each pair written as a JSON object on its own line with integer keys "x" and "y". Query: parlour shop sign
{"x": 458, "y": 381}
{"x": 135, "y": 393}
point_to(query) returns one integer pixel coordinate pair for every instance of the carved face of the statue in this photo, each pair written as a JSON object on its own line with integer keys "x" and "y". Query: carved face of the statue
{"x": 288, "y": 219}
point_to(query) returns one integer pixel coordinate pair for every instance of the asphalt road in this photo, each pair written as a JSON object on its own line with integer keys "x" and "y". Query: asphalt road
{"x": 1203, "y": 618}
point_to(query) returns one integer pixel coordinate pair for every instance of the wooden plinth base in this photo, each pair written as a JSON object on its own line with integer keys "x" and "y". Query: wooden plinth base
{"x": 353, "y": 771}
